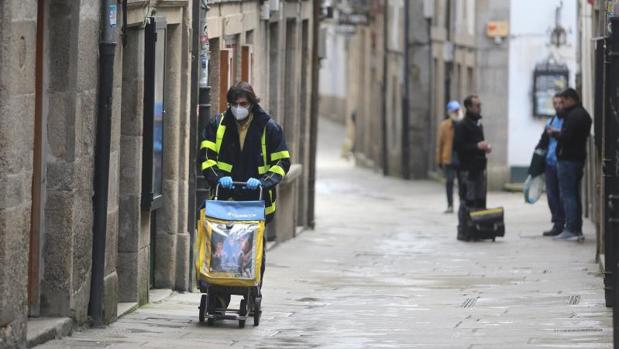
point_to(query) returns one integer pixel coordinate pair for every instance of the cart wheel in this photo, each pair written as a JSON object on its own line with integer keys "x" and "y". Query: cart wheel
{"x": 257, "y": 318}
{"x": 202, "y": 308}
{"x": 257, "y": 312}
{"x": 243, "y": 308}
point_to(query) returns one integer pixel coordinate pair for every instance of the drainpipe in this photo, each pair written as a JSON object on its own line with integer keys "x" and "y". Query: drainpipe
{"x": 193, "y": 132}
{"x": 383, "y": 119}
{"x": 406, "y": 147}
{"x": 314, "y": 100}
{"x": 107, "y": 47}
{"x": 200, "y": 94}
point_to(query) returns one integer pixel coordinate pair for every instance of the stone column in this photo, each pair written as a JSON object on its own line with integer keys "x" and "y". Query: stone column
{"x": 17, "y": 99}
{"x": 134, "y": 228}
{"x": 61, "y": 51}
{"x": 183, "y": 281}
{"x": 167, "y": 215}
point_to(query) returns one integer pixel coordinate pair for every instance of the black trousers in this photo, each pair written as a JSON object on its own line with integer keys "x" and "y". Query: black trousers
{"x": 474, "y": 192}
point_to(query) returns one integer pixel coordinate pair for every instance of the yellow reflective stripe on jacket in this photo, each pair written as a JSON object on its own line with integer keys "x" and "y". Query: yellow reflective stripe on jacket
{"x": 224, "y": 166}
{"x": 263, "y": 169}
{"x": 208, "y": 145}
{"x": 271, "y": 209}
{"x": 263, "y": 142}
{"x": 208, "y": 163}
{"x": 280, "y": 155}
{"x": 221, "y": 130}
{"x": 278, "y": 169}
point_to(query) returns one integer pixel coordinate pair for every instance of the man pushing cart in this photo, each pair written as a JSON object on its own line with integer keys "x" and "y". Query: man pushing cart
{"x": 243, "y": 156}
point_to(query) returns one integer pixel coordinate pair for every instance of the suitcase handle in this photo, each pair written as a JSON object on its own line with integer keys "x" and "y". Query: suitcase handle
{"x": 243, "y": 185}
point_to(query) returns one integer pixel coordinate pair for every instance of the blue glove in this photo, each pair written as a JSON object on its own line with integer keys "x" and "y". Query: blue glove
{"x": 253, "y": 183}
{"x": 226, "y": 182}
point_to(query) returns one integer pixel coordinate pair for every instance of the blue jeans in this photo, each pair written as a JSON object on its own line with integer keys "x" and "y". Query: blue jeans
{"x": 570, "y": 176}
{"x": 450, "y": 176}
{"x": 554, "y": 197}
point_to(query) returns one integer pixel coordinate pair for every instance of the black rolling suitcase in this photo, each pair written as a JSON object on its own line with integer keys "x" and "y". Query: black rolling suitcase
{"x": 485, "y": 224}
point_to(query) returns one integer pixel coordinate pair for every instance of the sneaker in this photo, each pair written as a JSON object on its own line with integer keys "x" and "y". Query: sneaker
{"x": 576, "y": 237}
{"x": 552, "y": 232}
{"x": 449, "y": 209}
{"x": 569, "y": 236}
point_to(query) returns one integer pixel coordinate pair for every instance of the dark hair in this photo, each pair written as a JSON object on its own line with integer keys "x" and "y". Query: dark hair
{"x": 468, "y": 101}
{"x": 242, "y": 89}
{"x": 571, "y": 93}
{"x": 557, "y": 95}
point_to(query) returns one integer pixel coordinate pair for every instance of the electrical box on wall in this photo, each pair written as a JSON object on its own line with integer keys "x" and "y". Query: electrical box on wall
{"x": 497, "y": 29}
{"x": 265, "y": 11}
{"x": 428, "y": 8}
{"x": 322, "y": 43}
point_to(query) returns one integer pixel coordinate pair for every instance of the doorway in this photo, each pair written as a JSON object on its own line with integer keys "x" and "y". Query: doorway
{"x": 154, "y": 114}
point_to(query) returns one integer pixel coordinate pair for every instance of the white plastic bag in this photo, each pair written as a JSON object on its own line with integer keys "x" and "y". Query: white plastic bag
{"x": 534, "y": 188}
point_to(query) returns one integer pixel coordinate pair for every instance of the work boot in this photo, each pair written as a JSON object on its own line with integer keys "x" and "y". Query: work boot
{"x": 553, "y": 232}
{"x": 449, "y": 209}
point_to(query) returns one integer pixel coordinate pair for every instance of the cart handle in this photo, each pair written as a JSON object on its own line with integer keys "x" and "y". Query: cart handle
{"x": 243, "y": 185}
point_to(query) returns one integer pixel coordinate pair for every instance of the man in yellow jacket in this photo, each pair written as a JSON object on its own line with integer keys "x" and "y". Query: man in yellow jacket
{"x": 445, "y": 156}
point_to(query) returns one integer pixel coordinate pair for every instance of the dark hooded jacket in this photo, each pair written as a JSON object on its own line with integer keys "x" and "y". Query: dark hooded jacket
{"x": 468, "y": 133}
{"x": 572, "y": 140}
{"x": 221, "y": 156}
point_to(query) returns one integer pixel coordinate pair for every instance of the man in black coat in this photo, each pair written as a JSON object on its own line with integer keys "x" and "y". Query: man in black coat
{"x": 571, "y": 155}
{"x": 471, "y": 147}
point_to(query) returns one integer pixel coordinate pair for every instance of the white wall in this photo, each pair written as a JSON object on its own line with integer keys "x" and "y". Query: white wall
{"x": 333, "y": 67}
{"x": 530, "y": 25}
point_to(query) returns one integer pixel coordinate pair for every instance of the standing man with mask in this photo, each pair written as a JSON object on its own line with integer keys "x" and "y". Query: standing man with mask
{"x": 548, "y": 142}
{"x": 244, "y": 144}
{"x": 445, "y": 156}
{"x": 571, "y": 155}
{"x": 471, "y": 147}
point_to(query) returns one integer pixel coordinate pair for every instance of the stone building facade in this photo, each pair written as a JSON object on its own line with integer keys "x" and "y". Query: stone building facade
{"x": 269, "y": 44}
{"x": 370, "y": 57}
{"x": 48, "y": 98}
{"x": 49, "y": 93}
{"x": 449, "y": 57}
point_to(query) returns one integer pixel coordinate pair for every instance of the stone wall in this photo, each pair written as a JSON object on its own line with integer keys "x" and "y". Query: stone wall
{"x": 420, "y": 88}
{"x": 492, "y": 63}
{"x": 71, "y": 91}
{"x": 17, "y": 100}
{"x": 134, "y": 227}
{"x": 280, "y": 75}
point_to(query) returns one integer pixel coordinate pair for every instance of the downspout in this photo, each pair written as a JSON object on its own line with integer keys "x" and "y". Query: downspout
{"x": 193, "y": 133}
{"x": 384, "y": 106}
{"x": 107, "y": 48}
{"x": 406, "y": 147}
{"x": 314, "y": 99}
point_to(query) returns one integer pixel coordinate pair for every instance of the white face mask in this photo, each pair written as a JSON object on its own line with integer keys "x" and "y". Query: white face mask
{"x": 239, "y": 112}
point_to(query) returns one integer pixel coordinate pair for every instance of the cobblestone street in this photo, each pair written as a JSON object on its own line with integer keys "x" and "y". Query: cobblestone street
{"x": 383, "y": 269}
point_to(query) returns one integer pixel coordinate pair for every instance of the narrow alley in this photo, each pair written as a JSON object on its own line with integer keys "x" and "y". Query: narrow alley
{"x": 383, "y": 269}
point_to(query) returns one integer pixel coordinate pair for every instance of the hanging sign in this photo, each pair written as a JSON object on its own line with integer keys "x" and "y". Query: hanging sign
{"x": 548, "y": 79}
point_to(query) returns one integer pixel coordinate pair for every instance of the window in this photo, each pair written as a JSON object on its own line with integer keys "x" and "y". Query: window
{"x": 154, "y": 112}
